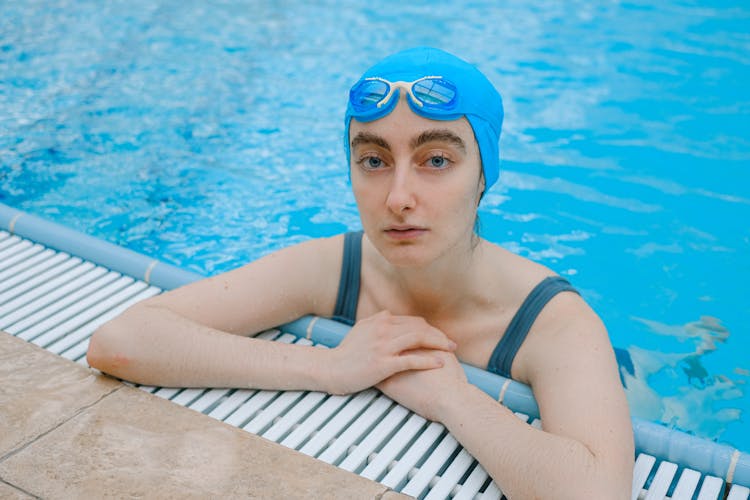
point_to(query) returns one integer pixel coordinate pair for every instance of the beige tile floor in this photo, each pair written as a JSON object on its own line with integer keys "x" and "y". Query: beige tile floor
{"x": 69, "y": 432}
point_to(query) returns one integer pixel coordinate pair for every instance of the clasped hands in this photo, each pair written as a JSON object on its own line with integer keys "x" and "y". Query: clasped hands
{"x": 409, "y": 360}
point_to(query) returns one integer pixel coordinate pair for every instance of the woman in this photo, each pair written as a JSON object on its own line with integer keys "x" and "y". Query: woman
{"x": 422, "y": 290}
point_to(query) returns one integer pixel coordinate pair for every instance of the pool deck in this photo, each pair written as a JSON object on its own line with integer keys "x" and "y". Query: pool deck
{"x": 67, "y": 431}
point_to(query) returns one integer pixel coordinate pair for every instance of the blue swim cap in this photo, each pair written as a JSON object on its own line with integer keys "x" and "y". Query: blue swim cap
{"x": 476, "y": 98}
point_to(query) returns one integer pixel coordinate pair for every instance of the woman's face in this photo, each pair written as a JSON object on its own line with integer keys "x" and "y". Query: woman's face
{"x": 417, "y": 183}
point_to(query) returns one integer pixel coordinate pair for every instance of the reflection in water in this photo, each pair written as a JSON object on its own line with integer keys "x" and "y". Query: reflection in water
{"x": 696, "y": 391}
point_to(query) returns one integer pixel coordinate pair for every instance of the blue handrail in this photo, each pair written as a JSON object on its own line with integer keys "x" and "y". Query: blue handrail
{"x": 87, "y": 247}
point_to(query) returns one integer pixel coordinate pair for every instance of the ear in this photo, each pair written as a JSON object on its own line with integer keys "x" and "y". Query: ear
{"x": 481, "y": 186}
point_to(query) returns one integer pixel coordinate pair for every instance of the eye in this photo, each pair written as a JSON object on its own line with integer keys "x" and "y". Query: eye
{"x": 438, "y": 161}
{"x": 374, "y": 162}
{"x": 371, "y": 162}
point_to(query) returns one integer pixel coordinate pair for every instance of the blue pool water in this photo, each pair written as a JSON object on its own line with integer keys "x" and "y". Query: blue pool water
{"x": 209, "y": 133}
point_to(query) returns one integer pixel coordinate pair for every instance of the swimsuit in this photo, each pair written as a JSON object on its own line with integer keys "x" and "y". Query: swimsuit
{"x": 506, "y": 349}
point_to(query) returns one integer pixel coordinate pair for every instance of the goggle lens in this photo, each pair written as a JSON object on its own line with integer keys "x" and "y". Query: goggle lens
{"x": 434, "y": 92}
{"x": 367, "y": 94}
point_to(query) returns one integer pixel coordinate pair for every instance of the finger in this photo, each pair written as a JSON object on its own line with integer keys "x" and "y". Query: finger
{"x": 427, "y": 338}
{"x": 417, "y": 361}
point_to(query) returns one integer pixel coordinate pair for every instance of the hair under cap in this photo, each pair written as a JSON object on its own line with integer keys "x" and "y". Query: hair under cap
{"x": 478, "y": 100}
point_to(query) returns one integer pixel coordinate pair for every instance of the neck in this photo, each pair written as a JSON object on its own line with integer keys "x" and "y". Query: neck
{"x": 443, "y": 286}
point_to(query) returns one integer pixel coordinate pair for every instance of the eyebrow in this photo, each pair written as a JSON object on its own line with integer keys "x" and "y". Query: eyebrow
{"x": 434, "y": 135}
{"x": 438, "y": 135}
{"x": 368, "y": 138}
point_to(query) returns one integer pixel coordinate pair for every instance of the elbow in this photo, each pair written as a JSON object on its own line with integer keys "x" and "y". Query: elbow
{"x": 98, "y": 354}
{"x": 108, "y": 349}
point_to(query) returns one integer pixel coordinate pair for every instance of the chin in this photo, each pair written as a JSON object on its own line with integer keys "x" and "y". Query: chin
{"x": 406, "y": 255}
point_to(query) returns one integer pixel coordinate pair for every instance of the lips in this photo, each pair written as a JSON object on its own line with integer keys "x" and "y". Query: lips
{"x": 403, "y": 232}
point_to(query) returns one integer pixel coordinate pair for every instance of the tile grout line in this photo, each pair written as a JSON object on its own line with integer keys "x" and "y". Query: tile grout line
{"x": 57, "y": 426}
{"x": 3, "y": 481}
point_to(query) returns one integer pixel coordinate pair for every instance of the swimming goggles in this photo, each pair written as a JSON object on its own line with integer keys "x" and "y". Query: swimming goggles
{"x": 430, "y": 96}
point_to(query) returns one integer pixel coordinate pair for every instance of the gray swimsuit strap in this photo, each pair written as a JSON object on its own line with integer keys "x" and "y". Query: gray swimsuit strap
{"x": 351, "y": 264}
{"x": 505, "y": 351}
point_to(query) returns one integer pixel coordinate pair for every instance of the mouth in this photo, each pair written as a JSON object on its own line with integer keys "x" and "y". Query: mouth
{"x": 404, "y": 232}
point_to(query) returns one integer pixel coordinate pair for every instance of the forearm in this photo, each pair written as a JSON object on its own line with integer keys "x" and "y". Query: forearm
{"x": 524, "y": 461}
{"x": 155, "y": 346}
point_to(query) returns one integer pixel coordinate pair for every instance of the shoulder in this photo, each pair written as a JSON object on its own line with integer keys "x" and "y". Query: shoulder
{"x": 324, "y": 252}
{"x": 297, "y": 263}
{"x": 566, "y": 336}
{"x": 565, "y": 321}
{"x": 283, "y": 285}
{"x": 312, "y": 266}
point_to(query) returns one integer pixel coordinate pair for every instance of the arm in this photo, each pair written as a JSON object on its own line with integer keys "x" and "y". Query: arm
{"x": 196, "y": 335}
{"x": 585, "y": 449}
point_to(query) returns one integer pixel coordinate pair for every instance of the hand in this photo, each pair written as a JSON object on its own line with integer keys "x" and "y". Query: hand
{"x": 382, "y": 345}
{"x": 427, "y": 392}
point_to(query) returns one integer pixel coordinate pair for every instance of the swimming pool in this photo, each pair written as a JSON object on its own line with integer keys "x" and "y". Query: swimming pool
{"x": 194, "y": 132}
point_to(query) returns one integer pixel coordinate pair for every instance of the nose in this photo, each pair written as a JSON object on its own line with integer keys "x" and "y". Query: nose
{"x": 401, "y": 195}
